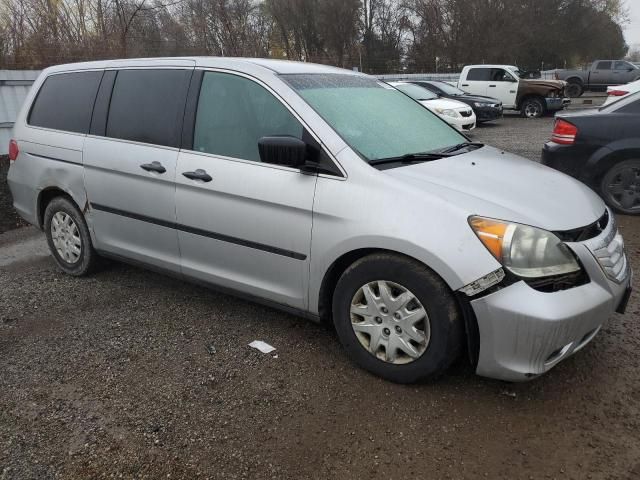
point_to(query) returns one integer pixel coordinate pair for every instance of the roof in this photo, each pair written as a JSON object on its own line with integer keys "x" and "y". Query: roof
{"x": 239, "y": 63}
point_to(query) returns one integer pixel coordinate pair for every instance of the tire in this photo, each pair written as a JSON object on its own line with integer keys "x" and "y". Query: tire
{"x": 574, "y": 89}
{"x": 532, "y": 107}
{"x": 66, "y": 228}
{"x": 620, "y": 187}
{"x": 440, "y": 332}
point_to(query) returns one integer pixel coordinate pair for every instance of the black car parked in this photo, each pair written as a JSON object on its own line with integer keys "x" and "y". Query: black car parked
{"x": 485, "y": 108}
{"x": 601, "y": 147}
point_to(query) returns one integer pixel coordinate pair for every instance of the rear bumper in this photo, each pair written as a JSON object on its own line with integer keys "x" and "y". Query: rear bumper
{"x": 525, "y": 332}
{"x": 24, "y": 196}
{"x": 569, "y": 159}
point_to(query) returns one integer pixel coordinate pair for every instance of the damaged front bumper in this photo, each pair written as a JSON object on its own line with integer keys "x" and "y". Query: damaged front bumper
{"x": 524, "y": 332}
{"x": 557, "y": 103}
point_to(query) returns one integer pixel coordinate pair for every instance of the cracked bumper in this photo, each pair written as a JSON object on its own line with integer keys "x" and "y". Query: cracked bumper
{"x": 525, "y": 332}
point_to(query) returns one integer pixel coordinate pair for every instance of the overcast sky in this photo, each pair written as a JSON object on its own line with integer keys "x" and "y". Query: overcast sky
{"x": 632, "y": 28}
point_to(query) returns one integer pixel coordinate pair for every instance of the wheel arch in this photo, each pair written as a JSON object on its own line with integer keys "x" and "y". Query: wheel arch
{"x": 44, "y": 198}
{"x": 604, "y": 158}
{"x": 527, "y": 96}
{"x": 338, "y": 267}
{"x": 574, "y": 79}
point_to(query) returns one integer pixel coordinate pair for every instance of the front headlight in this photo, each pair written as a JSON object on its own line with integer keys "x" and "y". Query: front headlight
{"x": 526, "y": 251}
{"x": 481, "y": 104}
{"x": 447, "y": 112}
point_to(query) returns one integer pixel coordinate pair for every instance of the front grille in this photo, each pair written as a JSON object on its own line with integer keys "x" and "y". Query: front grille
{"x": 559, "y": 282}
{"x": 585, "y": 233}
{"x": 466, "y": 113}
{"x": 612, "y": 258}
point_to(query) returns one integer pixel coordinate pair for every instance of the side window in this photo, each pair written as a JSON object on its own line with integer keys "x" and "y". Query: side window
{"x": 65, "y": 102}
{"x": 501, "y": 75}
{"x": 603, "y": 66}
{"x": 479, "y": 74}
{"x": 234, "y": 113}
{"x": 619, "y": 65}
{"x": 148, "y": 106}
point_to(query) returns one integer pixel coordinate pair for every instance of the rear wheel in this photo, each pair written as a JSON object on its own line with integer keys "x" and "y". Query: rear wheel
{"x": 532, "y": 107}
{"x": 68, "y": 237}
{"x": 620, "y": 187}
{"x": 396, "y": 318}
{"x": 574, "y": 89}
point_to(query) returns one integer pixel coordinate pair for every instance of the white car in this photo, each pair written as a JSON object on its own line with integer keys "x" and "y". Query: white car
{"x": 457, "y": 114}
{"x": 614, "y": 93}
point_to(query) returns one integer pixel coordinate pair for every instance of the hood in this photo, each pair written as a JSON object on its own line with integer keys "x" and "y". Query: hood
{"x": 496, "y": 184}
{"x": 544, "y": 83}
{"x": 444, "y": 103}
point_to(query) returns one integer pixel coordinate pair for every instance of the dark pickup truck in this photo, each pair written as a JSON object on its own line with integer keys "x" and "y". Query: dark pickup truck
{"x": 599, "y": 76}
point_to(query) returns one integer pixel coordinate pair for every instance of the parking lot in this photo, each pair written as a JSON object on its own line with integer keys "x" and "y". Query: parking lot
{"x": 130, "y": 374}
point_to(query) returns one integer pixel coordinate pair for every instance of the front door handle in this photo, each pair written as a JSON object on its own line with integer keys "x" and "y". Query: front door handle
{"x": 199, "y": 174}
{"x": 464, "y": 85}
{"x": 492, "y": 85}
{"x": 153, "y": 167}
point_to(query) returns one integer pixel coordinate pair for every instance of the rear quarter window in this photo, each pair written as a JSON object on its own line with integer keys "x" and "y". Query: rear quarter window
{"x": 65, "y": 102}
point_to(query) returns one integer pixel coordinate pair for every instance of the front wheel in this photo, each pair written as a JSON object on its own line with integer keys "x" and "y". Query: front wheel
{"x": 68, "y": 237}
{"x": 532, "y": 107}
{"x": 396, "y": 318}
{"x": 620, "y": 187}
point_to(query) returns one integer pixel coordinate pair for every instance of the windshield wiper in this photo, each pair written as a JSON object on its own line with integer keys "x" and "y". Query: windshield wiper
{"x": 460, "y": 146}
{"x": 410, "y": 158}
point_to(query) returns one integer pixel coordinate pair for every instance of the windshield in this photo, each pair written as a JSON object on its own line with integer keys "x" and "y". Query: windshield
{"x": 448, "y": 89}
{"x": 415, "y": 91}
{"x": 373, "y": 118}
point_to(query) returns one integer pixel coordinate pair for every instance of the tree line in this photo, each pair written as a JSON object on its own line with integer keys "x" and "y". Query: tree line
{"x": 376, "y": 36}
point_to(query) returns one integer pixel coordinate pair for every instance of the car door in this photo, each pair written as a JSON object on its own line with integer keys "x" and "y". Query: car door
{"x": 503, "y": 86}
{"x": 243, "y": 224}
{"x": 130, "y": 164}
{"x": 623, "y": 72}
{"x": 602, "y": 74}
{"x": 476, "y": 81}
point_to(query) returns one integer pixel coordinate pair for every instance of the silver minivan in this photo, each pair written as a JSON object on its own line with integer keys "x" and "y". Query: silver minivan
{"x": 327, "y": 193}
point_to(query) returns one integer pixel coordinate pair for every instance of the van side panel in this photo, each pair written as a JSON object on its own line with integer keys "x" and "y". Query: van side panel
{"x": 48, "y": 158}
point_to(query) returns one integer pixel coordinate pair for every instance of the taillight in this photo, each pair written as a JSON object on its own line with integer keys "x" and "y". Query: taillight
{"x": 617, "y": 93}
{"x": 13, "y": 150}
{"x": 564, "y": 132}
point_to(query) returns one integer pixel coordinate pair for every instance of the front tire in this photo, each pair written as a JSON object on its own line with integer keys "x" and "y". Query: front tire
{"x": 620, "y": 187}
{"x": 396, "y": 318}
{"x": 68, "y": 237}
{"x": 532, "y": 107}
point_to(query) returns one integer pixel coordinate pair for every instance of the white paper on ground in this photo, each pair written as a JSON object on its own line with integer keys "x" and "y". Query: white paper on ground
{"x": 262, "y": 346}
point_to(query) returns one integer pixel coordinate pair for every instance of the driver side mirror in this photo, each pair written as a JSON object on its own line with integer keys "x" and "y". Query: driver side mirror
{"x": 283, "y": 150}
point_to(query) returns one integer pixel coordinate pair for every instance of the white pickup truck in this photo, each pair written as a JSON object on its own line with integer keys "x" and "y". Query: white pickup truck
{"x": 533, "y": 98}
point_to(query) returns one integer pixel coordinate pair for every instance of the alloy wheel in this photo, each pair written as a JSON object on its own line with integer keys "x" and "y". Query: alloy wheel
{"x": 622, "y": 187}
{"x": 390, "y": 322}
{"x": 533, "y": 110}
{"x": 66, "y": 237}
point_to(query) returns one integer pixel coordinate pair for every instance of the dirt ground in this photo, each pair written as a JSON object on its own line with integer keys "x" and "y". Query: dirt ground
{"x": 130, "y": 374}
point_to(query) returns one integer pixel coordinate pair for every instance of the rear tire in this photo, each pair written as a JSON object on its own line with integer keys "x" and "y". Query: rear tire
{"x": 384, "y": 331}
{"x": 532, "y": 107}
{"x": 68, "y": 237}
{"x": 620, "y": 187}
{"x": 574, "y": 89}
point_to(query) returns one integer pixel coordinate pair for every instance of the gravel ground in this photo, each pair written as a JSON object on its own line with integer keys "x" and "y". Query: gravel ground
{"x": 130, "y": 374}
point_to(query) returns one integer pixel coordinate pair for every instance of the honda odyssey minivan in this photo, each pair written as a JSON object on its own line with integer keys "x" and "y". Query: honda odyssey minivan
{"x": 327, "y": 193}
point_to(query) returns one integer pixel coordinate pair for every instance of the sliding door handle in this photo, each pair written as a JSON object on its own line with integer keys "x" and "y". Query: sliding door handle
{"x": 153, "y": 167}
{"x": 199, "y": 174}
